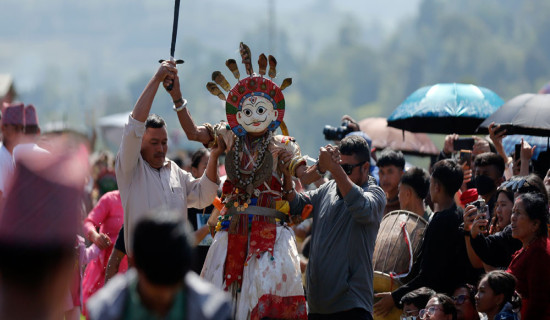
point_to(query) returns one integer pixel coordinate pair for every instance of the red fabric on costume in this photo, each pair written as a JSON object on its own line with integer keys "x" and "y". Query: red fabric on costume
{"x": 262, "y": 236}
{"x": 276, "y": 307}
{"x": 531, "y": 268}
{"x": 237, "y": 244}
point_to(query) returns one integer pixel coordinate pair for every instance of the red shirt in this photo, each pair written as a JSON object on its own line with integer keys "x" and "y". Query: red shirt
{"x": 531, "y": 267}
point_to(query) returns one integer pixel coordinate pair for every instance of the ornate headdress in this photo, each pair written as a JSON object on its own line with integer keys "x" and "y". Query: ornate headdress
{"x": 252, "y": 86}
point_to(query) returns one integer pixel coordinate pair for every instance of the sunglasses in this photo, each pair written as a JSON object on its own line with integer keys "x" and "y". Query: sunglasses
{"x": 430, "y": 311}
{"x": 460, "y": 299}
{"x": 348, "y": 168}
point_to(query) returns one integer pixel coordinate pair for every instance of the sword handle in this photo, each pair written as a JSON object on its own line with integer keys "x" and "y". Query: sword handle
{"x": 171, "y": 85}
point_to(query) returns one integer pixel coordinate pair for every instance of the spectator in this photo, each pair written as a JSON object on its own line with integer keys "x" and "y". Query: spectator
{"x": 488, "y": 175}
{"x": 497, "y": 298}
{"x": 160, "y": 286}
{"x": 199, "y": 217}
{"x": 496, "y": 249}
{"x": 530, "y": 264}
{"x": 443, "y": 262}
{"x": 391, "y": 164}
{"x": 464, "y": 299}
{"x": 107, "y": 217}
{"x": 413, "y": 189}
{"x": 415, "y": 301}
{"x": 440, "y": 307}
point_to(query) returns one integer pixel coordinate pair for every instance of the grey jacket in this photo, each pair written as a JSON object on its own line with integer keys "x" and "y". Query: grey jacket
{"x": 339, "y": 271}
{"x": 204, "y": 301}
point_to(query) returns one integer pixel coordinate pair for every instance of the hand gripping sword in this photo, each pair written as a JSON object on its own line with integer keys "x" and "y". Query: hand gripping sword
{"x": 174, "y": 36}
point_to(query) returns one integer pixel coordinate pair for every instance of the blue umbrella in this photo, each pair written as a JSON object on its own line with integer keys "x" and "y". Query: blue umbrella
{"x": 510, "y": 141}
{"x": 445, "y": 108}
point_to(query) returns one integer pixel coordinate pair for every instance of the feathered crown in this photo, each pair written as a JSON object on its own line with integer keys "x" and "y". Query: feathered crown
{"x": 253, "y": 85}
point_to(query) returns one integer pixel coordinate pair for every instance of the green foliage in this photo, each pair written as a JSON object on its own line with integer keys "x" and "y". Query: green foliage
{"x": 339, "y": 63}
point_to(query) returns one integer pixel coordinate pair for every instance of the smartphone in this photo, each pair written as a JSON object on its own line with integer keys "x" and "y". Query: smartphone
{"x": 463, "y": 143}
{"x": 466, "y": 157}
{"x": 517, "y": 152}
{"x": 505, "y": 126}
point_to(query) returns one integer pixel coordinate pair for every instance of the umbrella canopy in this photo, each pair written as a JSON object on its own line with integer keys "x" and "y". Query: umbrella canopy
{"x": 510, "y": 141}
{"x": 528, "y": 113}
{"x": 387, "y": 137}
{"x": 445, "y": 108}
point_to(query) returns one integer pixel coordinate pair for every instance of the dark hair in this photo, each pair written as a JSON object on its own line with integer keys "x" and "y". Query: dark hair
{"x": 163, "y": 247}
{"x": 490, "y": 159}
{"x": 28, "y": 266}
{"x": 356, "y": 146}
{"x": 502, "y": 282}
{"x": 418, "y": 297}
{"x": 31, "y": 129}
{"x": 391, "y": 157}
{"x": 197, "y": 156}
{"x": 449, "y": 174}
{"x": 154, "y": 121}
{"x": 534, "y": 184}
{"x": 537, "y": 209}
{"x": 471, "y": 291}
{"x": 418, "y": 179}
{"x": 447, "y": 304}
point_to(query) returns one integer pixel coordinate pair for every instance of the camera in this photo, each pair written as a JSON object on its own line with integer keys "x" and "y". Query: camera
{"x": 337, "y": 133}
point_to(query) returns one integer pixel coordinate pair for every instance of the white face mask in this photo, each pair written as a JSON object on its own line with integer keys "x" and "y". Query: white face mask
{"x": 256, "y": 114}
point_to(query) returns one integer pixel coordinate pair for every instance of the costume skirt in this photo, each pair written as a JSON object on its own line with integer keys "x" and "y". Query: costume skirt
{"x": 271, "y": 284}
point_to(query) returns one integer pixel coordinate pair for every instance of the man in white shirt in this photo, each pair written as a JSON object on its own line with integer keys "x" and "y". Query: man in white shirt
{"x": 146, "y": 178}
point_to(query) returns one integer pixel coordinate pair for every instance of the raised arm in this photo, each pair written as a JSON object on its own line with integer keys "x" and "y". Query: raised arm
{"x": 165, "y": 73}
{"x": 192, "y": 131}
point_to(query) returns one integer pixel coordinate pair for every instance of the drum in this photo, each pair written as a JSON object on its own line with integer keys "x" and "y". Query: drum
{"x": 398, "y": 243}
{"x": 382, "y": 282}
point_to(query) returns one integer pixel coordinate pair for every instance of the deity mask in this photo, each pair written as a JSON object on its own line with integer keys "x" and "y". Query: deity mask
{"x": 255, "y": 104}
{"x": 257, "y": 114}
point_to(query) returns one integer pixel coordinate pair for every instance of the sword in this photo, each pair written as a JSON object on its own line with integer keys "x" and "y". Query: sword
{"x": 174, "y": 36}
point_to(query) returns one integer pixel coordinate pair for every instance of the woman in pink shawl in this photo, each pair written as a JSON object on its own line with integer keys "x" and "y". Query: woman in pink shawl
{"x": 108, "y": 216}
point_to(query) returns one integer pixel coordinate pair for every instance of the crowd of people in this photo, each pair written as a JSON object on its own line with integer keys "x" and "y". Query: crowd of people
{"x": 266, "y": 234}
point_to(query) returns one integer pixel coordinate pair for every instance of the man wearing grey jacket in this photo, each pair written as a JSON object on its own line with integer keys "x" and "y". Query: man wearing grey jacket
{"x": 346, "y": 216}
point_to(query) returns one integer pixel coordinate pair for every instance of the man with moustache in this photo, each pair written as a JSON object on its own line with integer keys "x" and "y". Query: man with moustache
{"x": 146, "y": 178}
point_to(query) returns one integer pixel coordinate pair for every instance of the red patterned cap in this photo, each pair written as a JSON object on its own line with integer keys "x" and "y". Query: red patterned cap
{"x": 13, "y": 114}
{"x": 44, "y": 200}
{"x": 31, "y": 118}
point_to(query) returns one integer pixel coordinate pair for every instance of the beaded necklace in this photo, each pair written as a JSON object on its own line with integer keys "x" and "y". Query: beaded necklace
{"x": 249, "y": 183}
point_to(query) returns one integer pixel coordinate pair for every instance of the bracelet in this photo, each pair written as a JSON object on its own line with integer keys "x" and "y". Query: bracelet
{"x": 178, "y": 109}
{"x": 321, "y": 173}
{"x": 287, "y": 192}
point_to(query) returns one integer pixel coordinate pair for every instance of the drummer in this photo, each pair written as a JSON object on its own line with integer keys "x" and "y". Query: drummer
{"x": 413, "y": 189}
{"x": 391, "y": 164}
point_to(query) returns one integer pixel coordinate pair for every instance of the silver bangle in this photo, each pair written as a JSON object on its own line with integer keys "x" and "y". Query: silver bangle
{"x": 178, "y": 109}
